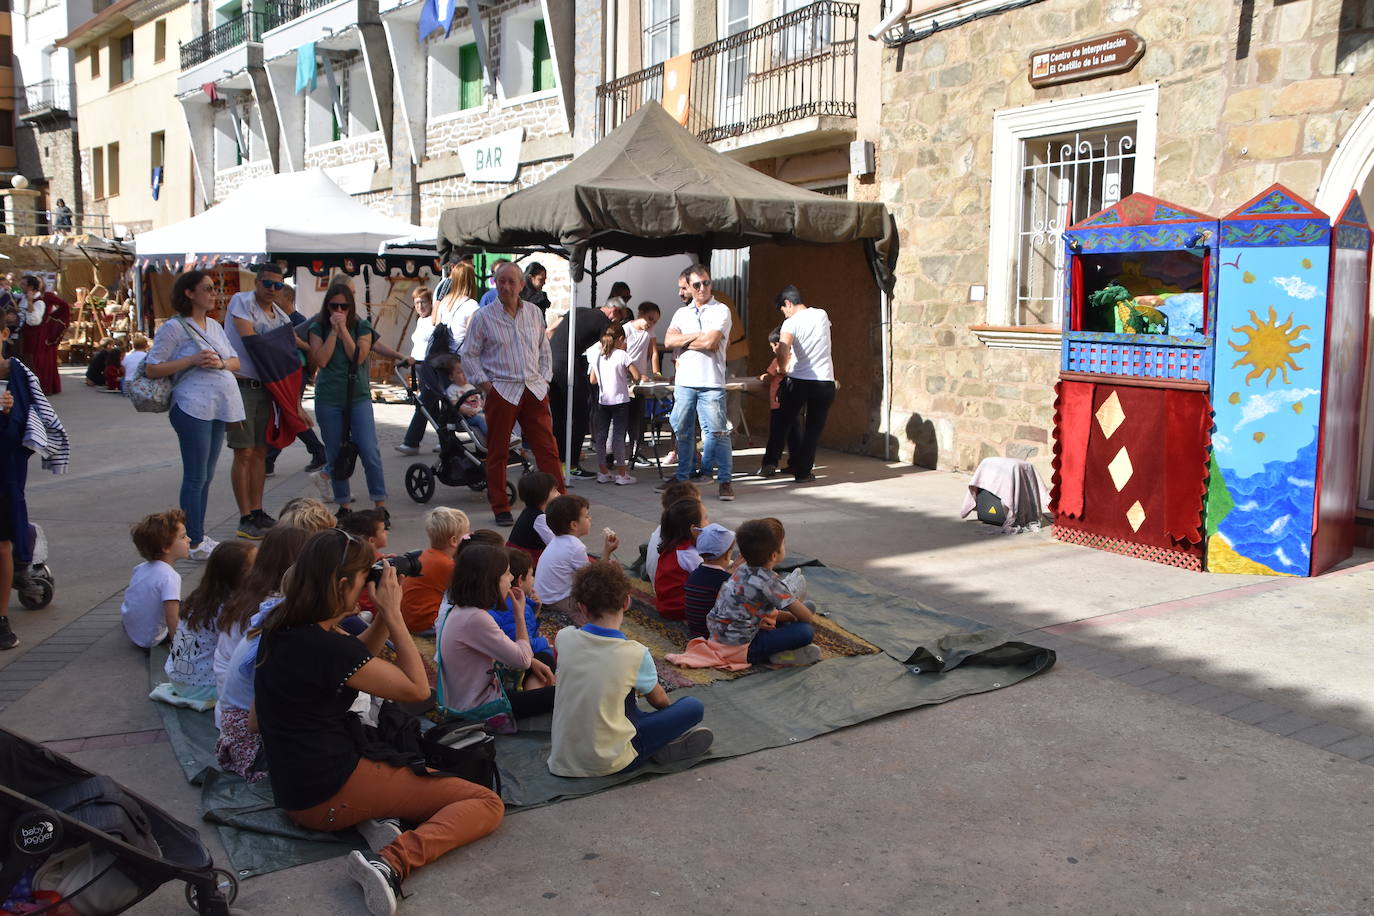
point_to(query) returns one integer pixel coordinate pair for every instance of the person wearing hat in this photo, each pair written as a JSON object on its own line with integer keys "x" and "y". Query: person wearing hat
{"x": 716, "y": 544}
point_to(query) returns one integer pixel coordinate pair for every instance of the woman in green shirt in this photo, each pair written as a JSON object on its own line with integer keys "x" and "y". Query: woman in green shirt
{"x": 340, "y": 343}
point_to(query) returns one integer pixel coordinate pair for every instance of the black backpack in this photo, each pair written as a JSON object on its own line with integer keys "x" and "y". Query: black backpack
{"x": 464, "y": 749}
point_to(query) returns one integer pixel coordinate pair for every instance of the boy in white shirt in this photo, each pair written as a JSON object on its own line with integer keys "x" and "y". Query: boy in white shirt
{"x": 134, "y": 358}
{"x": 570, "y": 520}
{"x": 152, "y": 602}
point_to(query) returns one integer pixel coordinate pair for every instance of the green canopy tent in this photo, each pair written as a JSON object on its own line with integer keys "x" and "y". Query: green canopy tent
{"x": 650, "y": 188}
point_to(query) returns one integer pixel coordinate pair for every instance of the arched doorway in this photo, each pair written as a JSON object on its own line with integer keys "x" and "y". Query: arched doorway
{"x": 1352, "y": 168}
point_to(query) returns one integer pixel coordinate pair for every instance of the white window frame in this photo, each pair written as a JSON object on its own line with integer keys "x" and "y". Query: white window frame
{"x": 515, "y": 66}
{"x": 1010, "y": 130}
{"x": 446, "y": 48}
{"x": 683, "y": 27}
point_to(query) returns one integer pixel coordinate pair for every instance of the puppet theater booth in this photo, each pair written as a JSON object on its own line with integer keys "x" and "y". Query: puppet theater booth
{"x": 310, "y": 226}
{"x": 1211, "y": 373}
{"x": 650, "y": 188}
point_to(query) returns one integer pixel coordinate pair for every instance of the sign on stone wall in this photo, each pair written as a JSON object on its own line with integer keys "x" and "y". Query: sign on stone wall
{"x": 494, "y": 158}
{"x": 1087, "y": 59}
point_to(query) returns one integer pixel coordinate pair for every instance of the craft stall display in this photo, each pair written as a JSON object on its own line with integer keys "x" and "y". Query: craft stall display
{"x": 1207, "y": 413}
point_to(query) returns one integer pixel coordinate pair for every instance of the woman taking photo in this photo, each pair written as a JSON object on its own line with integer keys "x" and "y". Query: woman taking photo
{"x": 459, "y": 305}
{"x": 193, "y": 349}
{"x": 309, "y": 673}
{"x": 340, "y": 343}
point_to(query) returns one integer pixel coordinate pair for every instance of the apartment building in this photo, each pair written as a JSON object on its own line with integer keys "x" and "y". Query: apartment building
{"x": 46, "y": 134}
{"x": 984, "y": 164}
{"x": 133, "y": 156}
{"x": 396, "y": 114}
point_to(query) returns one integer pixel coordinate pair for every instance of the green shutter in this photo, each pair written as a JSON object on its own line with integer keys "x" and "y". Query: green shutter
{"x": 469, "y": 77}
{"x": 543, "y": 60}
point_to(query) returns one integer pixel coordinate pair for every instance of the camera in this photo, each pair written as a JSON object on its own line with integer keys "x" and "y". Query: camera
{"x": 405, "y": 564}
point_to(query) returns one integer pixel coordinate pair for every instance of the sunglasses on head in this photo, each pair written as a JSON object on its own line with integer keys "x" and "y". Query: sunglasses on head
{"x": 272, "y": 284}
{"x": 701, "y": 284}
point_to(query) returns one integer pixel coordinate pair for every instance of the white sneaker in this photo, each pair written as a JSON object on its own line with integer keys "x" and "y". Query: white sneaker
{"x": 408, "y": 449}
{"x": 378, "y": 882}
{"x": 323, "y": 484}
{"x": 203, "y": 550}
{"x": 379, "y": 833}
{"x": 603, "y": 478}
{"x": 624, "y": 480}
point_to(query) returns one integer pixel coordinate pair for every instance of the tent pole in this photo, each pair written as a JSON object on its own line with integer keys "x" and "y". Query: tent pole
{"x": 885, "y": 319}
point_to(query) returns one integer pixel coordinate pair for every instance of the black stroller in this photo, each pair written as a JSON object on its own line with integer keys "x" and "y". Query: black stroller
{"x": 462, "y": 458}
{"x": 79, "y": 841}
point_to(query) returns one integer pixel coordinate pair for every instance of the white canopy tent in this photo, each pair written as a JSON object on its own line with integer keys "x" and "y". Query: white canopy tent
{"x": 304, "y": 214}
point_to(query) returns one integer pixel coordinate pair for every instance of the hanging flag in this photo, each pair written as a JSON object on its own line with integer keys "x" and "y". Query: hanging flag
{"x": 210, "y": 90}
{"x": 677, "y": 84}
{"x": 429, "y": 18}
{"x": 157, "y": 181}
{"x": 452, "y": 14}
{"x": 305, "y": 67}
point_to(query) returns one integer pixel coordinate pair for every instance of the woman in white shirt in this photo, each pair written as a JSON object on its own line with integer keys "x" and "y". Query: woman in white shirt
{"x": 612, "y": 371}
{"x": 419, "y": 349}
{"x": 457, "y": 308}
{"x": 193, "y": 348}
{"x": 810, "y": 382}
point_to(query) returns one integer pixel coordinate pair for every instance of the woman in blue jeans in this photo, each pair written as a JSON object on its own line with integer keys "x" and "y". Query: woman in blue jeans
{"x": 340, "y": 343}
{"x": 193, "y": 349}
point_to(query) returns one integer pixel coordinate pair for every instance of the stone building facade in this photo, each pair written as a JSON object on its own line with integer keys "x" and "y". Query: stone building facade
{"x": 1227, "y": 99}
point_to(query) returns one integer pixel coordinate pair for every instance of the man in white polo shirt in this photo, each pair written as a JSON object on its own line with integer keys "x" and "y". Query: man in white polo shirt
{"x": 699, "y": 335}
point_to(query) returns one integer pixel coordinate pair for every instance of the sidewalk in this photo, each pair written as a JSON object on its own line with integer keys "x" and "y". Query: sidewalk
{"x": 1198, "y": 747}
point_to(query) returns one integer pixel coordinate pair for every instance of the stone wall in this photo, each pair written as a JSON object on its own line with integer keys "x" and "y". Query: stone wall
{"x": 350, "y": 150}
{"x": 1241, "y": 105}
{"x": 438, "y": 195}
{"x": 230, "y": 180}
{"x": 541, "y": 118}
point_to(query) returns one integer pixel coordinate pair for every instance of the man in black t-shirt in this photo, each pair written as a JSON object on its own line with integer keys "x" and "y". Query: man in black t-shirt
{"x": 591, "y": 324}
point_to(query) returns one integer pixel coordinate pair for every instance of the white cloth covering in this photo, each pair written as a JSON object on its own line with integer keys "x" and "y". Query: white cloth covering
{"x": 1017, "y": 484}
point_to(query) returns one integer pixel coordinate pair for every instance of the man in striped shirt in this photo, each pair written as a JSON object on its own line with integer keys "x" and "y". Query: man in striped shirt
{"x": 506, "y": 354}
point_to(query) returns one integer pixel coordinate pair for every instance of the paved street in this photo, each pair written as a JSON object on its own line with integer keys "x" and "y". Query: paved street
{"x": 1205, "y": 744}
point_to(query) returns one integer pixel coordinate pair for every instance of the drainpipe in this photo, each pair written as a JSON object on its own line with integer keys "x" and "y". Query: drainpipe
{"x": 900, "y": 10}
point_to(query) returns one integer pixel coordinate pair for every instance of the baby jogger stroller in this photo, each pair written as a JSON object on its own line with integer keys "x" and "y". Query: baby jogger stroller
{"x": 462, "y": 458}
{"x": 73, "y": 842}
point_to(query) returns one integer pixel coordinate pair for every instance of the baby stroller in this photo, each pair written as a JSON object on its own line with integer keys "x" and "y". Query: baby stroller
{"x": 73, "y": 842}
{"x": 32, "y": 579}
{"x": 462, "y": 458}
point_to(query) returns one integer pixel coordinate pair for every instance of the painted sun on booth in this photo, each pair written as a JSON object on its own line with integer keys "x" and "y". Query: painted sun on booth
{"x": 1267, "y": 400}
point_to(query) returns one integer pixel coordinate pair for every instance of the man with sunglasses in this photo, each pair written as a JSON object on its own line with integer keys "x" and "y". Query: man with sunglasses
{"x": 699, "y": 334}
{"x": 253, "y": 312}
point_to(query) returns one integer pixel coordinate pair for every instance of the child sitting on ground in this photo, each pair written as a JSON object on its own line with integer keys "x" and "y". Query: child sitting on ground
{"x": 191, "y": 664}
{"x": 421, "y": 595}
{"x": 531, "y": 532}
{"x": 716, "y": 545}
{"x": 134, "y": 358}
{"x": 598, "y": 728}
{"x": 238, "y": 748}
{"x": 570, "y": 520}
{"x": 677, "y": 556}
{"x": 522, "y": 576}
{"x": 152, "y": 602}
{"x": 306, "y": 512}
{"x": 676, "y": 490}
{"x": 756, "y": 609}
{"x": 471, "y": 643}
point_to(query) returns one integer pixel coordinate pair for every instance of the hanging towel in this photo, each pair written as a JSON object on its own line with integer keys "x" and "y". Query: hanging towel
{"x": 157, "y": 181}
{"x": 452, "y": 15}
{"x": 210, "y": 90}
{"x": 305, "y": 67}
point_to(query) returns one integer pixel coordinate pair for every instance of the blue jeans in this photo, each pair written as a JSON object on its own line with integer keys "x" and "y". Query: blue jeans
{"x": 201, "y": 442}
{"x": 767, "y": 643}
{"x": 655, "y": 729}
{"x": 416, "y": 430}
{"x": 708, "y": 406}
{"x": 364, "y": 435}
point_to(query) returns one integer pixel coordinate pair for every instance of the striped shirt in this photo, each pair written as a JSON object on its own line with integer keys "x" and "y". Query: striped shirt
{"x": 510, "y": 352}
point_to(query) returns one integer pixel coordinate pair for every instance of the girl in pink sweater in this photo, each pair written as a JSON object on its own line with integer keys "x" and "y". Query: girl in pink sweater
{"x": 471, "y": 642}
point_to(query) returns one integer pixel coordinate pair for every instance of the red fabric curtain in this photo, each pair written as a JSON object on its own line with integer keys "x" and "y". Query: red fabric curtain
{"x": 1071, "y": 428}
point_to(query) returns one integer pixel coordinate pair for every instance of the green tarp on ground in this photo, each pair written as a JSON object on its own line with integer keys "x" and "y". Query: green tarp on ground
{"x": 927, "y": 658}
